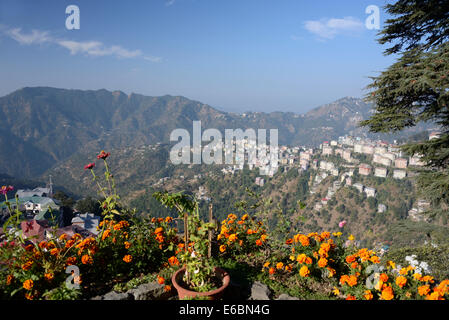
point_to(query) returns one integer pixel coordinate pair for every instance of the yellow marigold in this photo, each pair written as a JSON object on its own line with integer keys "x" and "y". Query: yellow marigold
{"x": 337, "y": 234}
{"x": 401, "y": 281}
{"x": 387, "y": 293}
{"x": 86, "y": 259}
{"x": 263, "y": 237}
{"x": 351, "y": 238}
{"x": 322, "y": 262}
{"x": 28, "y": 284}
{"x": 423, "y": 290}
{"x": 128, "y": 258}
{"x": 417, "y": 276}
{"x": 336, "y": 291}
{"x": 266, "y": 264}
{"x": 280, "y": 266}
{"x": 304, "y": 271}
{"x": 232, "y": 237}
{"x": 331, "y": 272}
{"x": 391, "y": 264}
{"x": 222, "y": 248}
{"x": 244, "y": 217}
{"x": 368, "y": 295}
{"x": 49, "y": 276}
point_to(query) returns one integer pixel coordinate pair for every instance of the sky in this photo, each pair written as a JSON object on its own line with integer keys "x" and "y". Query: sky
{"x": 235, "y": 55}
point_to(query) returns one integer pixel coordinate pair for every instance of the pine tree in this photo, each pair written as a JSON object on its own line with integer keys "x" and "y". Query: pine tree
{"x": 416, "y": 88}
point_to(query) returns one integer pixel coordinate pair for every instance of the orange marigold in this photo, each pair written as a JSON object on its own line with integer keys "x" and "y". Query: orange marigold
{"x": 280, "y": 266}
{"x": 160, "y": 280}
{"x": 271, "y": 270}
{"x": 258, "y": 242}
{"x": 128, "y": 258}
{"x": 28, "y": 284}
{"x": 368, "y": 295}
{"x": 86, "y": 259}
{"x": 401, "y": 281}
{"x": 423, "y": 290}
{"x": 49, "y": 276}
{"x": 383, "y": 277}
{"x": 322, "y": 262}
{"x": 350, "y": 297}
{"x": 222, "y": 248}
{"x": 387, "y": 293}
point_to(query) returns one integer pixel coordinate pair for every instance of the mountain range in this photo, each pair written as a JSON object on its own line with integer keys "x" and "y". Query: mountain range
{"x": 42, "y": 126}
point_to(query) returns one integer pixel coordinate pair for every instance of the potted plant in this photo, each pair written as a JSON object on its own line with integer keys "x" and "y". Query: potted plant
{"x": 198, "y": 277}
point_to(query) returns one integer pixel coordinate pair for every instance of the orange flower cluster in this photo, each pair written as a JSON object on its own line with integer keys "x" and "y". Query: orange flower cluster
{"x": 242, "y": 235}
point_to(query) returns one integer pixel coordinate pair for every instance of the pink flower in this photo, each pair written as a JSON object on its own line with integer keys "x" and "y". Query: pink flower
{"x": 89, "y": 166}
{"x": 6, "y": 189}
{"x": 342, "y": 223}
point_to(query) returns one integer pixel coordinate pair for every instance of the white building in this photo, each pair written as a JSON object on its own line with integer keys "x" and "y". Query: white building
{"x": 399, "y": 174}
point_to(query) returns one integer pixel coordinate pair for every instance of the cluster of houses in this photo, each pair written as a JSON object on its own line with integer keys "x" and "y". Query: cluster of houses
{"x": 41, "y": 212}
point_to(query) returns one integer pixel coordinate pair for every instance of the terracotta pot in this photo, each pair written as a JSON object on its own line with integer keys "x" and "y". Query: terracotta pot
{"x": 213, "y": 295}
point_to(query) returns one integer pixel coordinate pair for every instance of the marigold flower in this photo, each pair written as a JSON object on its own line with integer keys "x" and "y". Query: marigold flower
{"x": 434, "y": 296}
{"x": 71, "y": 261}
{"x": 383, "y": 277}
{"x": 27, "y": 265}
{"x": 322, "y": 262}
{"x": 271, "y": 270}
{"x": 127, "y": 244}
{"x": 9, "y": 279}
{"x": 232, "y": 237}
{"x": 128, "y": 258}
{"x": 387, "y": 293}
{"x": 43, "y": 244}
{"x": 222, "y": 248}
{"x": 391, "y": 264}
{"x": 403, "y": 271}
{"x": 173, "y": 261}
{"x": 417, "y": 276}
{"x": 63, "y": 237}
{"x": 86, "y": 259}
{"x": 258, "y": 242}
{"x": 266, "y": 264}
{"x": 263, "y": 237}
{"x": 368, "y": 295}
{"x": 168, "y": 219}
{"x": 280, "y": 266}
{"x": 105, "y": 234}
{"x": 167, "y": 288}
{"x": 160, "y": 280}
{"x": 49, "y": 276}
{"x": 352, "y": 280}
{"x": 304, "y": 271}
{"x": 423, "y": 290}
{"x": 304, "y": 240}
{"x": 158, "y": 230}
{"x": 28, "y": 284}
{"x": 244, "y": 217}
{"x": 375, "y": 259}
{"x": 351, "y": 238}
{"x": 350, "y": 297}
{"x": 401, "y": 281}
{"x": 427, "y": 279}
{"x": 54, "y": 251}
{"x": 336, "y": 291}
{"x": 354, "y": 265}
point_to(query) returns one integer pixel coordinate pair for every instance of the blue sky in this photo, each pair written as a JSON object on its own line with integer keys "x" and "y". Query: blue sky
{"x": 235, "y": 55}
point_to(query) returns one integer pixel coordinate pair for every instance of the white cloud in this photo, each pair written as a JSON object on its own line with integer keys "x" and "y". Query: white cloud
{"x": 90, "y": 48}
{"x": 35, "y": 37}
{"x": 328, "y": 29}
{"x": 97, "y": 49}
{"x": 169, "y": 2}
